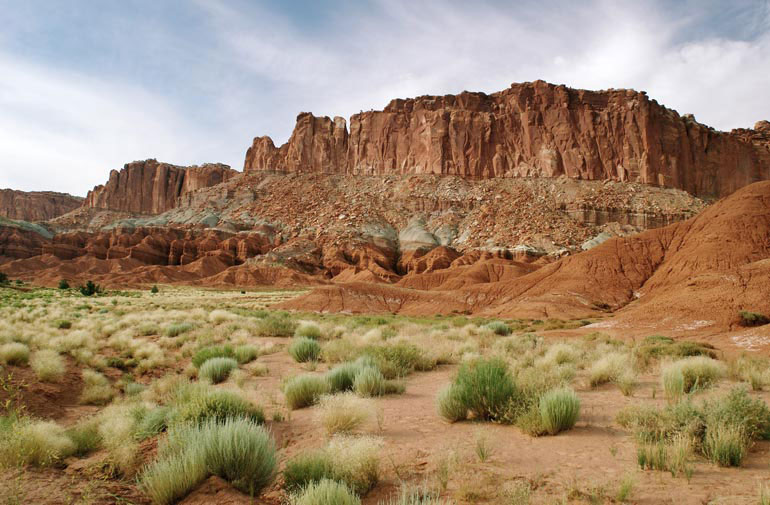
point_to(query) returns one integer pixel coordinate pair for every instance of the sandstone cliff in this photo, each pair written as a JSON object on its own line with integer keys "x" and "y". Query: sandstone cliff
{"x": 529, "y": 130}
{"x": 152, "y": 187}
{"x": 36, "y": 205}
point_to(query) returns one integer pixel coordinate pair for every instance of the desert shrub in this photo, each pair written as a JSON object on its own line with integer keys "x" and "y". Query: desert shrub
{"x": 559, "y": 354}
{"x": 90, "y": 289}
{"x": 343, "y": 412}
{"x": 353, "y": 461}
{"x": 14, "y": 353}
{"x": 308, "y": 329}
{"x": 326, "y": 492}
{"x": 237, "y": 450}
{"x": 154, "y": 289}
{"x": 422, "y": 496}
{"x": 559, "y": 410}
{"x": 304, "y": 390}
{"x": 3, "y": 278}
{"x": 725, "y": 444}
{"x": 399, "y": 360}
{"x": 627, "y": 382}
{"x": 216, "y": 405}
{"x": 35, "y": 443}
{"x": 85, "y": 436}
{"x": 498, "y": 328}
{"x": 64, "y": 284}
{"x": 485, "y": 387}
{"x": 134, "y": 388}
{"x": 214, "y": 351}
{"x": 246, "y": 353}
{"x": 307, "y": 468}
{"x": 609, "y": 368}
{"x": 221, "y": 316}
{"x": 690, "y": 374}
{"x": 96, "y": 389}
{"x": 152, "y": 422}
{"x": 217, "y": 370}
{"x": 342, "y": 377}
{"x": 737, "y": 408}
{"x": 752, "y": 369}
{"x": 369, "y": 382}
{"x": 63, "y": 324}
{"x": 304, "y": 349}
{"x": 656, "y": 347}
{"x": 753, "y": 318}
{"x": 276, "y": 326}
{"x": 176, "y": 329}
{"x": 48, "y": 365}
{"x": 451, "y": 406}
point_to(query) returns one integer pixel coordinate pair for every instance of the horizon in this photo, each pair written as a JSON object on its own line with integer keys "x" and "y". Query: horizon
{"x": 88, "y": 89}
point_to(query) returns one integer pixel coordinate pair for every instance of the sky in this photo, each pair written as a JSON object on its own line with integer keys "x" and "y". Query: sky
{"x": 89, "y": 85}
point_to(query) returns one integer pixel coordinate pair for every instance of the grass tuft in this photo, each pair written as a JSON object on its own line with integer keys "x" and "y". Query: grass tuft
{"x": 217, "y": 370}
{"x": 559, "y": 410}
{"x": 304, "y": 349}
{"x": 304, "y": 390}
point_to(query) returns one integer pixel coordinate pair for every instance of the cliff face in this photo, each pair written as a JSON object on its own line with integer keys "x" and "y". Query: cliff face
{"x": 529, "y": 130}
{"x": 152, "y": 187}
{"x": 36, "y": 205}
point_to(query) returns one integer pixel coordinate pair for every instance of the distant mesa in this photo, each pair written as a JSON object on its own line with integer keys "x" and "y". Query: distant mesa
{"x": 533, "y": 129}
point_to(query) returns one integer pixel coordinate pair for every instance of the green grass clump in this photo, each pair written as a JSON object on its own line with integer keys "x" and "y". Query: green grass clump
{"x": 725, "y": 444}
{"x": 342, "y": 377}
{"x": 326, "y": 492}
{"x": 63, "y": 324}
{"x": 214, "y": 351}
{"x": 152, "y": 422}
{"x": 14, "y": 353}
{"x": 216, "y": 405}
{"x": 48, "y": 365}
{"x": 753, "y": 318}
{"x": 176, "y": 329}
{"x": 369, "y": 382}
{"x": 308, "y": 329}
{"x": 353, "y": 461}
{"x": 559, "y": 410}
{"x": 486, "y": 388}
{"x": 399, "y": 360}
{"x": 276, "y": 325}
{"x": 246, "y": 353}
{"x": 304, "y": 390}
{"x": 307, "y": 468}
{"x": 134, "y": 388}
{"x": 690, "y": 374}
{"x": 450, "y": 406}
{"x": 86, "y": 437}
{"x": 237, "y": 450}
{"x": 498, "y": 328}
{"x": 304, "y": 349}
{"x": 96, "y": 389}
{"x": 35, "y": 443}
{"x": 657, "y": 347}
{"x": 217, "y": 370}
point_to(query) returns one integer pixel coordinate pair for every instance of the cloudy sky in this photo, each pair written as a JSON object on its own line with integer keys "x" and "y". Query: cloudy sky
{"x": 88, "y": 85}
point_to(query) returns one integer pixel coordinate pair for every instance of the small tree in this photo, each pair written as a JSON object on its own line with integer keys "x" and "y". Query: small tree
{"x": 154, "y": 289}
{"x": 3, "y": 278}
{"x": 90, "y": 289}
{"x": 63, "y": 284}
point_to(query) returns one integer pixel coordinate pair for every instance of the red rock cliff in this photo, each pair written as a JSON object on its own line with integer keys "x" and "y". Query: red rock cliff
{"x": 529, "y": 130}
{"x": 36, "y": 205}
{"x": 152, "y": 187}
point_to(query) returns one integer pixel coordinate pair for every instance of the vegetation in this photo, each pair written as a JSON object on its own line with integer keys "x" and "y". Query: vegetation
{"x": 753, "y": 318}
{"x": 326, "y": 492}
{"x": 304, "y": 390}
{"x": 559, "y": 410}
{"x": 64, "y": 284}
{"x": 690, "y": 374}
{"x": 217, "y": 370}
{"x": 304, "y": 349}
{"x": 90, "y": 289}
{"x": 236, "y": 450}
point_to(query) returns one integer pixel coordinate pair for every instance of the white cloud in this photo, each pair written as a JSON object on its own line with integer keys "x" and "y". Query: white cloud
{"x": 251, "y": 70}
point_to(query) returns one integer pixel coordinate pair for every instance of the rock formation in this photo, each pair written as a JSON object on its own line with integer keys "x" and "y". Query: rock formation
{"x": 152, "y": 187}
{"x": 528, "y": 130}
{"x": 36, "y": 205}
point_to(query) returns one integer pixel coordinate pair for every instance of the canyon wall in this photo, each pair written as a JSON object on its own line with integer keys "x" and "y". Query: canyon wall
{"x": 152, "y": 187}
{"x": 528, "y": 130}
{"x": 36, "y": 205}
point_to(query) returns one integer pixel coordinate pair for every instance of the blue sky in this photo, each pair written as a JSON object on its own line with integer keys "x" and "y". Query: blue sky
{"x": 86, "y": 86}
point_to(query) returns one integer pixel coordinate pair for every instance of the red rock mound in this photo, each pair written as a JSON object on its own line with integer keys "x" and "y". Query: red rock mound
{"x": 36, "y": 205}
{"x": 697, "y": 273}
{"x": 152, "y": 187}
{"x": 532, "y": 129}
